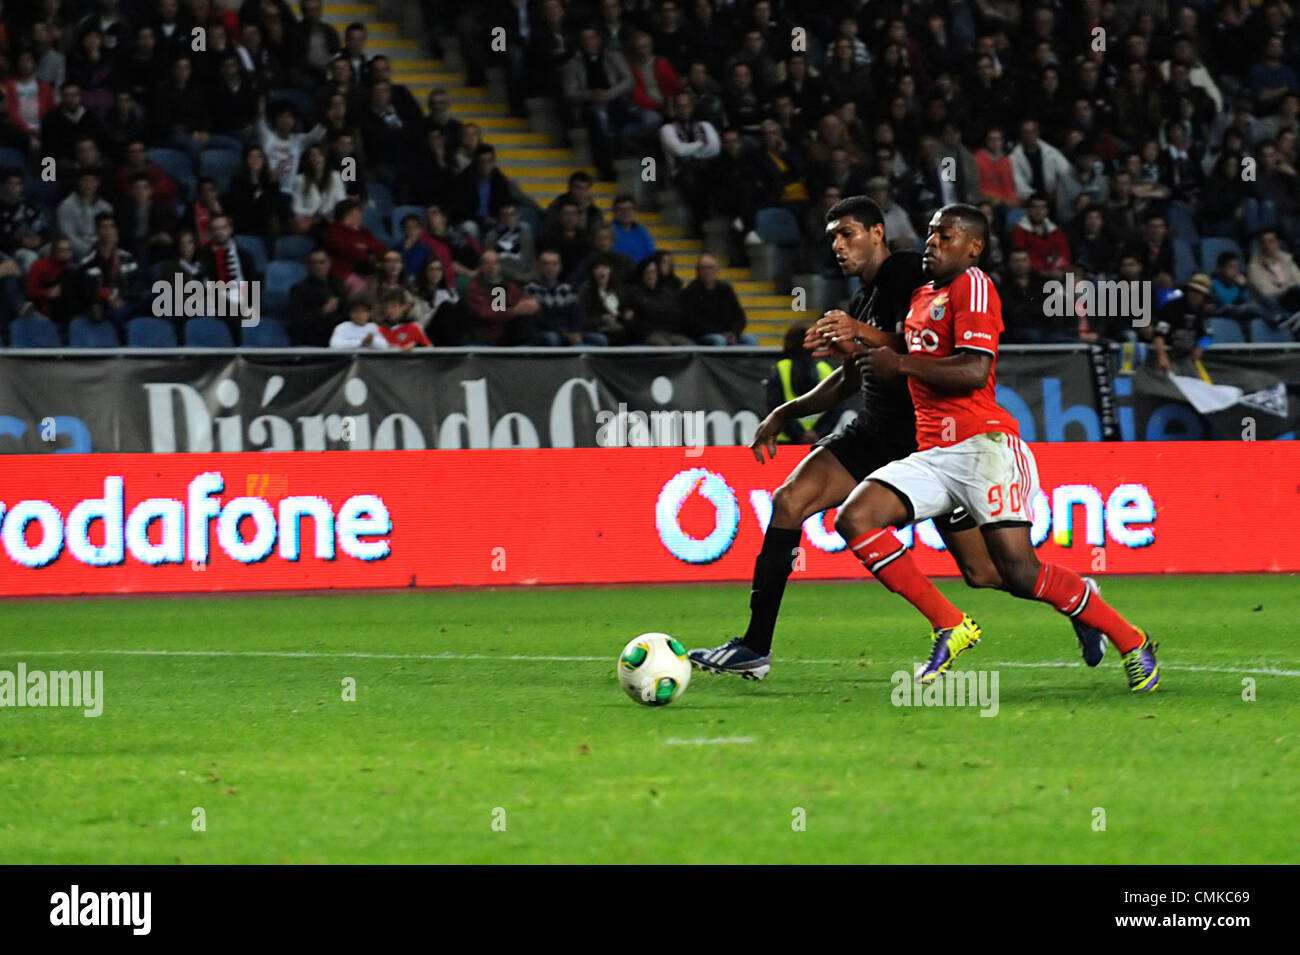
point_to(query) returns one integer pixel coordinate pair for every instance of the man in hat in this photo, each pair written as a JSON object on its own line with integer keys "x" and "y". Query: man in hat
{"x": 1180, "y": 327}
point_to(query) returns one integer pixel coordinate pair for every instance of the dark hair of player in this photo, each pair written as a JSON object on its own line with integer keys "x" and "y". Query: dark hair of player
{"x": 969, "y": 218}
{"x": 862, "y": 208}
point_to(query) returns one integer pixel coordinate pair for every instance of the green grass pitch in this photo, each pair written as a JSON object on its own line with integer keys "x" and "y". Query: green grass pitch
{"x": 483, "y": 707}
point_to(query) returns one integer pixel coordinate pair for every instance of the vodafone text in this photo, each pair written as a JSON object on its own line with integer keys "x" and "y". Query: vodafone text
{"x": 183, "y": 527}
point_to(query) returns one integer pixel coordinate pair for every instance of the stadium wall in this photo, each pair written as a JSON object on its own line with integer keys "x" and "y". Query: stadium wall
{"x": 141, "y": 523}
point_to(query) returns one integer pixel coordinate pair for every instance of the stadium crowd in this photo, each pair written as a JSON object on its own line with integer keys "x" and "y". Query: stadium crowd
{"x": 1142, "y": 140}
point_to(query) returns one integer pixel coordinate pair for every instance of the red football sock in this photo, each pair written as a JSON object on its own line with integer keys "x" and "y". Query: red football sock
{"x": 885, "y": 556}
{"x": 1064, "y": 590}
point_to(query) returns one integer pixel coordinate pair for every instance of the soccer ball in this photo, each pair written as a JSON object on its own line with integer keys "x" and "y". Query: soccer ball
{"x": 654, "y": 669}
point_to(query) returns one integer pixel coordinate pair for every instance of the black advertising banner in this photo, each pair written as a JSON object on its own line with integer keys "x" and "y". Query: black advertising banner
{"x": 228, "y": 402}
{"x": 1230, "y": 395}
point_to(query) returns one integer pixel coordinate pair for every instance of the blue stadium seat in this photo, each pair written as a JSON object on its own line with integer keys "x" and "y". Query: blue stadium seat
{"x": 376, "y": 222}
{"x": 177, "y": 165}
{"x": 207, "y": 333}
{"x": 1226, "y": 331}
{"x": 13, "y": 158}
{"x": 256, "y": 249}
{"x": 267, "y": 333}
{"x": 1184, "y": 261}
{"x": 279, "y": 279}
{"x": 1182, "y": 224}
{"x": 778, "y": 226}
{"x": 228, "y": 143}
{"x": 86, "y": 333}
{"x": 1266, "y": 333}
{"x": 379, "y": 196}
{"x": 33, "y": 331}
{"x": 293, "y": 248}
{"x": 1212, "y": 248}
{"x": 1012, "y": 217}
{"x": 149, "y": 332}
{"x": 221, "y": 165}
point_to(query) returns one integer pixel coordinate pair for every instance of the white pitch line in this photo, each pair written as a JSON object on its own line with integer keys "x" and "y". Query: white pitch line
{"x": 702, "y": 741}
{"x": 539, "y": 658}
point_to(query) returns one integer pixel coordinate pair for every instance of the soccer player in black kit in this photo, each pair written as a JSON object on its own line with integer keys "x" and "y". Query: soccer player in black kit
{"x": 884, "y": 431}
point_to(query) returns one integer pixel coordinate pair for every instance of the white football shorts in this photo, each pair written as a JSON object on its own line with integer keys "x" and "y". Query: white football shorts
{"x": 993, "y": 476}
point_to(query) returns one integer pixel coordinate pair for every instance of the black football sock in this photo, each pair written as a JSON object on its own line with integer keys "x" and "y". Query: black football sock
{"x": 772, "y": 569}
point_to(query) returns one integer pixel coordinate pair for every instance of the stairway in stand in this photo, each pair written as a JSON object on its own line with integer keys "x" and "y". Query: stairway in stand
{"x": 542, "y": 169}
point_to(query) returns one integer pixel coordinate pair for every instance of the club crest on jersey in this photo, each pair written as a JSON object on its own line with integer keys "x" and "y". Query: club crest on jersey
{"x": 936, "y": 307}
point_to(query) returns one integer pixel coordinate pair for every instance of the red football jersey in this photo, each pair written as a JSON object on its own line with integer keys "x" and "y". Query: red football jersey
{"x": 406, "y": 332}
{"x": 964, "y": 314}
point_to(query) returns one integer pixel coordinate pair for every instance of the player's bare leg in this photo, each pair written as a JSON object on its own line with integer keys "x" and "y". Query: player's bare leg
{"x": 1025, "y": 576}
{"x": 978, "y": 570}
{"x": 971, "y": 556}
{"x": 818, "y": 483}
{"x": 864, "y": 521}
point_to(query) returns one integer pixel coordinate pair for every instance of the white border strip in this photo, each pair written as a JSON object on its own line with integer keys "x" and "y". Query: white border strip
{"x": 540, "y": 658}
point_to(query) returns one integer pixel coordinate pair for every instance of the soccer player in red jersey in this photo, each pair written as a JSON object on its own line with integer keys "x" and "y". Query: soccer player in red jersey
{"x": 969, "y": 454}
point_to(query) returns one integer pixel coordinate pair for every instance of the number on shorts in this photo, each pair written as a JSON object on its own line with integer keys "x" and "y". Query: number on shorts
{"x": 995, "y": 499}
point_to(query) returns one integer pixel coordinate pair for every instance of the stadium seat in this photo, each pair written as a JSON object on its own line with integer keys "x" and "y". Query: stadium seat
{"x": 11, "y": 158}
{"x": 293, "y": 248}
{"x": 149, "y": 332}
{"x": 1184, "y": 261}
{"x": 1226, "y": 331}
{"x": 207, "y": 333}
{"x": 379, "y": 196}
{"x": 778, "y": 226}
{"x": 221, "y": 165}
{"x": 86, "y": 333}
{"x": 1265, "y": 333}
{"x": 256, "y": 249}
{"x": 33, "y": 331}
{"x": 462, "y": 283}
{"x": 228, "y": 143}
{"x": 280, "y": 278}
{"x": 1012, "y": 217}
{"x": 1212, "y": 248}
{"x": 177, "y": 165}
{"x": 267, "y": 333}
{"x": 377, "y": 222}
{"x": 1182, "y": 224}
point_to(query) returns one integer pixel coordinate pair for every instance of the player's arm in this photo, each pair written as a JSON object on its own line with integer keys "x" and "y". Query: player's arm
{"x": 825, "y": 395}
{"x": 964, "y": 372}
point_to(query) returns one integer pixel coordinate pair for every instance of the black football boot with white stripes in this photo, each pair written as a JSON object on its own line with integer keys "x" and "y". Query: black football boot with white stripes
{"x": 732, "y": 657}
